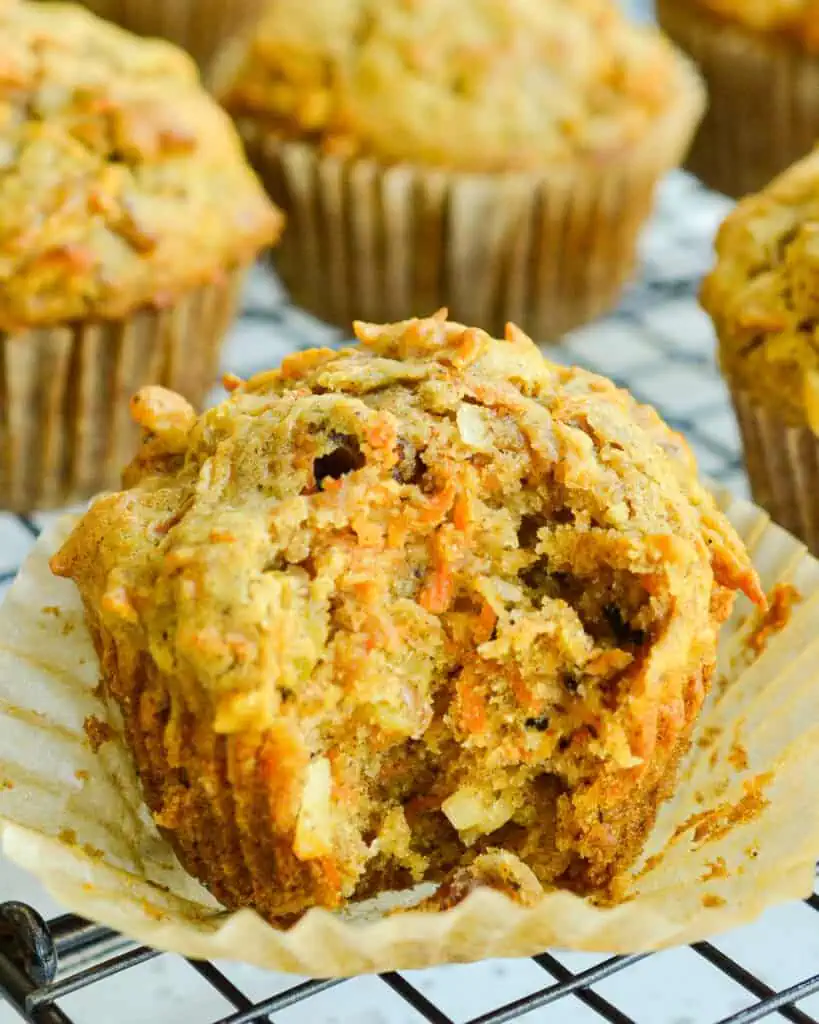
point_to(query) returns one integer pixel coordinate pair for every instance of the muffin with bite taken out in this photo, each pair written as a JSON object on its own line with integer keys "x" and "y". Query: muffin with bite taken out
{"x": 428, "y": 608}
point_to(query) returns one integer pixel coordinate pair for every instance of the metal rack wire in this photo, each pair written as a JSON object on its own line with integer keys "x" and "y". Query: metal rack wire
{"x": 43, "y": 962}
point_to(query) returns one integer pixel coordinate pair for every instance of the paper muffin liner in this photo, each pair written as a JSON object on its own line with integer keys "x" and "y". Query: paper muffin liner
{"x": 548, "y": 251}
{"x": 199, "y": 26}
{"x": 65, "y": 429}
{"x": 783, "y": 468}
{"x": 763, "y": 111}
{"x": 741, "y": 834}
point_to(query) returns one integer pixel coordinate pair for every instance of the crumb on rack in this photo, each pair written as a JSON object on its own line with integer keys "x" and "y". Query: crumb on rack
{"x": 651, "y": 863}
{"x": 738, "y": 756}
{"x": 715, "y": 823}
{"x": 51, "y": 609}
{"x": 151, "y": 911}
{"x": 67, "y": 835}
{"x": 710, "y": 901}
{"x": 97, "y": 731}
{"x": 715, "y": 869}
{"x": 709, "y": 736}
{"x": 780, "y": 606}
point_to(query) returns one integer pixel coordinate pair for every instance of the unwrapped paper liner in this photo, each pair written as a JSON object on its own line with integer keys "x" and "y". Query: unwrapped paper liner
{"x": 745, "y": 817}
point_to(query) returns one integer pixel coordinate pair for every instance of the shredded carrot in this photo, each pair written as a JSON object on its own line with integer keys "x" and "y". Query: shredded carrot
{"x": 523, "y": 693}
{"x": 486, "y": 622}
{"x": 473, "y": 706}
{"x": 468, "y": 349}
{"x": 439, "y": 503}
{"x": 222, "y": 537}
{"x": 437, "y": 595}
{"x": 462, "y": 512}
{"x": 381, "y": 433}
{"x": 299, "y": 363}
{"x": 397, "y": 532}
{"x": 331, "y": 874}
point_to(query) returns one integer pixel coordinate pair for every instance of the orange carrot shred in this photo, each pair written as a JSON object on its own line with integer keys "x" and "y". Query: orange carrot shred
{"x": 473, "y": 708}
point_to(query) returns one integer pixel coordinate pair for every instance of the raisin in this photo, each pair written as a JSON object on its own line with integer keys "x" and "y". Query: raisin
{"x": 624, "y": 632}
{"x": 344, "y": 459}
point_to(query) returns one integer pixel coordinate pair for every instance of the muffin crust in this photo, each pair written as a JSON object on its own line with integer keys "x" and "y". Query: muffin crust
{"x": 763, "y": 295}
{"x": 795, "y": 20}
{"x": 123, "y": 182}
{"x": 394, "y": 610}
{"x": 490, "y": 85}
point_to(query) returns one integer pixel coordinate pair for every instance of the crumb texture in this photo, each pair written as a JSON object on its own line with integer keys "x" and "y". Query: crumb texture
{"x": 123, "y": 182}
{"x": 763, "y": 295}
{"x": 482, "y": 85}
{"x": 426, "y": 608}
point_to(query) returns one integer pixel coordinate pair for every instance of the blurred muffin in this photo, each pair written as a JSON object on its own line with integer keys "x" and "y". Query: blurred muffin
{"x": 199, "y": 26}
{"x": 494, "y": 156}
{"x": 127, "y": 219}
{"x": 763, "y": 296}
{"x": 760, "y": 61}
{"x": 390, "y": 609}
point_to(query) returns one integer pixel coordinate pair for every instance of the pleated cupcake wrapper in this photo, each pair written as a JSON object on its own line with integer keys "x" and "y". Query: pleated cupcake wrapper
{"x": 65, "y": 429}
{"x": 199, "y": 26}
{"x": 763, "y": 109}
{"x": 548, "y": 252}
{"x": 741, "y": 834}
{"x": 783, "y": 467}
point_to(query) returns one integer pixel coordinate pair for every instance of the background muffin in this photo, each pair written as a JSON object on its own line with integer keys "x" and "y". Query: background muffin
{"x": 199, "y": 26}
{"x": 494, "y": 156}
{"x": 763, "y": 296}
{"x": 127, "y": 219}
{"x": 760, "y": 60}
{"x": 387, "y": 609}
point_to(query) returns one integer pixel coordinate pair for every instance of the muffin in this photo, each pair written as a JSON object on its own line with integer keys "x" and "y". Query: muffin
{"x": 760, "y": 60}
{"x": 763, "y": 296}
{"x": 199, "y": 26}
{"x": 395, "y": 610}
{"x": 127, "y": 219}
{"x": 494, "y": 156}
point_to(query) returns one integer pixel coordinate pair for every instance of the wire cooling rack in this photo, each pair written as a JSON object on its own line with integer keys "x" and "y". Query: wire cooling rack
{"x": 659, "y": 344}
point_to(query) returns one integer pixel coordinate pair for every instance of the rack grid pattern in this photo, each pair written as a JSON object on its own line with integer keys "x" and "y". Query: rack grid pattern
{"x": 660, "y": 345}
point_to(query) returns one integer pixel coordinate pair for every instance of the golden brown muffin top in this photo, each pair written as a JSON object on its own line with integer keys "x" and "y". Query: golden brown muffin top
{"x": 763, "y": 294}
{"x": 433, "y": 535}
{"x": 478, "y": 85}
{"x": 123, "y": 182}
{"x": 797, "y": 20}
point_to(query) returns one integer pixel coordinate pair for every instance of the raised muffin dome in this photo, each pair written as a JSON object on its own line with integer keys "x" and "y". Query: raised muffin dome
{"x": 763, "y": 295}
{"x": 122, "y": 180}
{"x": 389, "y": 608}
{"x": 483, "y": 85}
